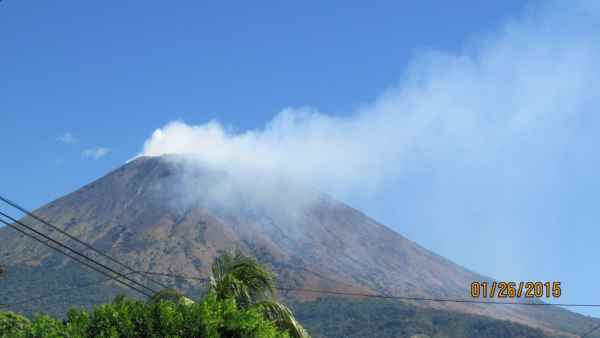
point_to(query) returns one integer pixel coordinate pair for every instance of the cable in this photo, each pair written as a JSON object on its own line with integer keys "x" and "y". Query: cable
{"x": 308, "y": 290}
{"x": 57, "y": 292}
{"x": 78, "y": 253}
{"x": 172, "y": 275}
{"x": 388, "y": 297}
{"x": 13, "y": 204}
{"x": 89, "y": 246}
{"x": 437, "y": 299}
{"x": 397, "y": 297}
{"x": 75, "y": 258}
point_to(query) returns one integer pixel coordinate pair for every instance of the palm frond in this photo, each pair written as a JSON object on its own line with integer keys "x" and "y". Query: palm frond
{"x": 283, "y": 317}
{"x": 241, "y": 277}
{"x": 251, "y": 284}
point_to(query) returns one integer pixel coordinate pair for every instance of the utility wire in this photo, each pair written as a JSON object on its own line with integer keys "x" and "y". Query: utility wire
{"x": 75, "y": 258}
{"x": 437, "y": 299}
{"x": 396, "y": 297}
{"x": 132, "y": 271}
{"x": 77, "y": 252}
{"x": 87, "y": 245}
{"x": 343, "y": 293}
{"x": 316, "y": 291}
{"x": 164, "y": 274}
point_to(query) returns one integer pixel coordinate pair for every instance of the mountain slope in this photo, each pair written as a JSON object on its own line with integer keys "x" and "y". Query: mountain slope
{"x": 168, "y": 214}
{"x": 327, "y": 317}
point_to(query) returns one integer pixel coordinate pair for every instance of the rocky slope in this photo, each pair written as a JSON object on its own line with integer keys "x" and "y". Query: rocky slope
{"x": 170, "y": 215}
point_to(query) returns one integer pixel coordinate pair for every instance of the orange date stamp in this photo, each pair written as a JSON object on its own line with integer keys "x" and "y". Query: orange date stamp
{"x": 497, "y": 289}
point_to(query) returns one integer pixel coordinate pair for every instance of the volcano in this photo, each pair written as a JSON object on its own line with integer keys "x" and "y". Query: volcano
{"x": 171, "y": 215}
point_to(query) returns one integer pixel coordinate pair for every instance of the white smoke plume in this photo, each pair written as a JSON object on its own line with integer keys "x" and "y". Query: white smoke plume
{"x": 487, "y": 145}
{"x": 531, "y": 82}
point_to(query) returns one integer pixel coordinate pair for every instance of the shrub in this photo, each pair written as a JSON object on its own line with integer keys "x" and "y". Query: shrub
{"x": 10, "y": 323}
{"x": 210, "y": 318}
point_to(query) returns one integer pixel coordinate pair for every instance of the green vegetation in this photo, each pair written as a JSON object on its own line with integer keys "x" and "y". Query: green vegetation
{"x": 171, "y": 295}
{"x": 26, "y": 283}
{"x": 252, "y": 286}
{"x": 11, "y": 323}
{"x": 240, "y": 303}
{"x": 348, "y": 318}
{"x": 132, "y": 318}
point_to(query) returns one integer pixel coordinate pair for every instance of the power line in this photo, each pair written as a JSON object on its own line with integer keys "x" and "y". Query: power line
{"x": 132, "y": 271}
{"x": 87, "y": 245}
{"x": 71, "y": 256}
{"x": 173, "y": 275}
{"x": 437, "y": 299}
{"x": 343, "y": 293}
{"x": 295, "y": 289}
{"x": 75, "y": 258}
{"x": 78, "y": 253}
{"x": 398, "y": 297}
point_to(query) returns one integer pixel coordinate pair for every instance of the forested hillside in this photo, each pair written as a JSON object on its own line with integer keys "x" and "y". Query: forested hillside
{"x": 330, "y": 317}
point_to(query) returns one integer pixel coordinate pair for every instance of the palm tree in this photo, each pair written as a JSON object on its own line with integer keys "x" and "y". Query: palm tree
{"x": 251, "y": 284}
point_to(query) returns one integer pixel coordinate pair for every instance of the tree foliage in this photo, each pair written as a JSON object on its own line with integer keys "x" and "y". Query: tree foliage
{"x": 171, "y": 295}
{"x": 241, "y": 303}
{"x": 210, "y": 318}
{"x": 252, "y": 285}
{"x": 335, "y": 317}
{"x": 242, "y": 278}
{"x": 11, "y": 323}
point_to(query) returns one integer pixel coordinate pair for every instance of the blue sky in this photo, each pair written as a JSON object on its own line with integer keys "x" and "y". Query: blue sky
{"x": 508, "y": 194}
